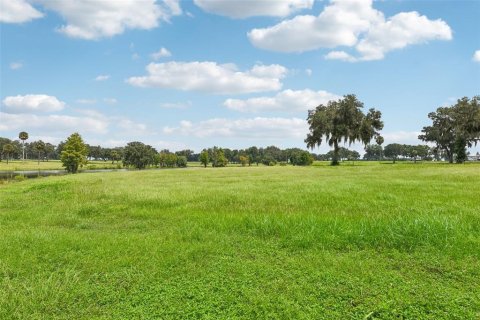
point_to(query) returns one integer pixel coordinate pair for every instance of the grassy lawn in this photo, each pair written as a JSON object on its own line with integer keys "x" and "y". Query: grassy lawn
{"x": 51, "y": 165}
{"x": 376, "y": 241}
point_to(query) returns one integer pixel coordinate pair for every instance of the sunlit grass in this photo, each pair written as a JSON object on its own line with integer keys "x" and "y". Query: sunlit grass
{"x": 19, "y": 165}
{"x": 383, "y": 240}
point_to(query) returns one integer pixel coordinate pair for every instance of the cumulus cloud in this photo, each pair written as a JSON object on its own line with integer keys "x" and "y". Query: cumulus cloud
{"x": 287, "y": 100}
{"x": 239, "y": 9}
{"x": 399, "y": 31}
{"x": 32, "y": 103}
{"x": 267, "y": 128}
{"x": 95, "y": 19}
{"x": 162, "y": 53}
{"x": 102, "y": 77}
{"x": 340, "y": 55}
{"x": 350, "y": 23}
{"x": 211, "y": 77}
{"x": 18, "y": 11}
{"x": 52, "y": 123}
{"x": 476, "y": 56}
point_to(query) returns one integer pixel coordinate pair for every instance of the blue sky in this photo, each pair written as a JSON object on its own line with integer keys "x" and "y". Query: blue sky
{"x": 193, "y": 74}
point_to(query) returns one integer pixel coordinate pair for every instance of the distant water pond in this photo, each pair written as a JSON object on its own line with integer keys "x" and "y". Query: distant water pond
{"x": 7, "y": 175}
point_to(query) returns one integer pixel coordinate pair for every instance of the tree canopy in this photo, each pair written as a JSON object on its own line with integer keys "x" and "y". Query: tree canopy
{"x": 74, "y": 153}
{"x": 139, "y": 155}
{"x": 454, "y": 128}
{"x": 343, "y": 120}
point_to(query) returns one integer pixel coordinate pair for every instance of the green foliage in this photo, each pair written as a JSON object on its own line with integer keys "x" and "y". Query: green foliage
{"x": 343, "y": 120}
{"x": 23, "y": 136}
{"x": 373, "y": 152}
{"x": 217, "y": 157}
{"x": 243, "y": 160}
{"x": 7, "y": 150}
{"x": 393, "y": 151}
{"x": 204, "y": 158}
{"x": 460, "y": 150}
{"x": 454, "y": 125}
{"x": 139, "y": 155}
{"x": 39, "y": 146}
{"x": 300, "y": 158}
{"x": 74, "y": 154}
{"x": 20, "y": 177}
{"x": 181, "y": 161}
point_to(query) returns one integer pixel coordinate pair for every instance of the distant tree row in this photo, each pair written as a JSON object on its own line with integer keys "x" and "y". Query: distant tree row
{"x": 396, "y": 151}
{"x": 453, "y": 129}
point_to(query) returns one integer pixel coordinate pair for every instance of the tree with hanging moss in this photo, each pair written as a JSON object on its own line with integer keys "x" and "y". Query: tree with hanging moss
{"x": 454, "y": 128}
{"x": 74, "y": 153}
{"x": 343, "y": 120}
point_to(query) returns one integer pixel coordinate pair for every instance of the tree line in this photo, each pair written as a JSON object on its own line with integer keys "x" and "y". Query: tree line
{"x": 453, "y": 129}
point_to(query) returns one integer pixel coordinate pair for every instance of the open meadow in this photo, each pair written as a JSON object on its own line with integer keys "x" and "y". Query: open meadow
{"x": 374, "y": 241}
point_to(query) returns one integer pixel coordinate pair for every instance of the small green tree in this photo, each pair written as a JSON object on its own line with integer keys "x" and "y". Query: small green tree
{"x": 74, "y": 153}
{"x": 181, "y": 161}
{"x": 218, "y": 157}
{"x": 243, "y": 160}
{"x": 8, "y": 150}
{"x": 393, "y": 150}
{"x": 204, "y": 158}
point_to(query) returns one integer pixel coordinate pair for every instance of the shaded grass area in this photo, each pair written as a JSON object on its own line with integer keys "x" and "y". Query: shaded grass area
{"x": 262, "y": 242}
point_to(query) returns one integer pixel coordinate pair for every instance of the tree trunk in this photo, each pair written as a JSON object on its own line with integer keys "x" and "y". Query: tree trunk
{"x": 335, "y": 154}
{"x": 450, "y": 156}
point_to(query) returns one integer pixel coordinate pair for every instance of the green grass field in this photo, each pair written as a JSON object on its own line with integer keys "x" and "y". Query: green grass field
{"x": 18, "y": 165}
{"x": 377, "y": 241}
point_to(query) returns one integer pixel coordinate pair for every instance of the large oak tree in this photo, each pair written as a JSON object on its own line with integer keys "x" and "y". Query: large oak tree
{"x": 454, "y": 128}
{"x": 343, "y": 120}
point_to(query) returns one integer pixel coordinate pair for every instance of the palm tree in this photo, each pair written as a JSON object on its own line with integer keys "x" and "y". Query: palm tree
{"x": 8, "y": 150}
{"x": 39, "y": 146}
{"x": 23, "y": 136}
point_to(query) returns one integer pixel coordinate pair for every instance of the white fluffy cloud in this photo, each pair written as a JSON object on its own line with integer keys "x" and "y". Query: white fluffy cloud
{"x": 162, "y": 53}
{"x": 211, "y": 77}
{"x": 239, "y": 9}
{"x": 52, "y": 124}
{"x": 287, "y": 100}
{"x": 399, "y": 31}
{"x": 18, "y": 11}
{"x": 267, "y": 128}
{"x": 32, "y": 103}
{"x": 476, "y": 56}
{"x": 350, "y": 23}
{"x": 340, "y": 55}
{"x": 94, "y": 19}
